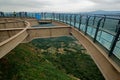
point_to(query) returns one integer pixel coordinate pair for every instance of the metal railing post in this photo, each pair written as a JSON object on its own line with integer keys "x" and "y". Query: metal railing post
{"x": 59, "y": 17}
{"x": 117, "y": 36}
{"x": 66, "y": 19}
{"x": 97, "y": 29}
{"x": 80, "y": 21}
{"x": 74, "y": 20}
{"x": 104, "y": 21}
{"x": 63, "y": 17}
{"x": 94, "y": 20}
{"x": 86, "y": 26}
{"x": 55, "y": 16}
{"x": 70, "y": 19}
{"x": 45, "y": 15}
{"x": 52, "y": 16}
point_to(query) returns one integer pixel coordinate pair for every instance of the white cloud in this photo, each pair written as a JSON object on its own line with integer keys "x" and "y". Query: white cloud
{"x": 69, "y": 6}
{"x": 59, "y": 5}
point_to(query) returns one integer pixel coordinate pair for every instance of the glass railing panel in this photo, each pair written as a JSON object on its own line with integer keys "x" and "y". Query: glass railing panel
{"x": 72, "y": 23}
{"x": 64, "y": 19}
{"x": 91, "y": 31}
{"x": 50, "y": 16}
{"x": 77, "y": 21}
{"x": 83, "y": 20}
{"x": 77, "y": 18}
{"x": 68, "y": 21}
{"x": 83, "y": 23}
{"x": 105, "y": 39}
{"x": 90, "y": 23}
{"x": 110, "y": 25}
{"x": 116, "y": 51}
{"x": 82, "y": 27}
{"x": 96, "y": 21}
{"x": 77, "y": 25}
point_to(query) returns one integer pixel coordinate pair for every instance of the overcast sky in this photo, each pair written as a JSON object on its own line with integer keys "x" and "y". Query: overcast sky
{"x": 59, "y": 5}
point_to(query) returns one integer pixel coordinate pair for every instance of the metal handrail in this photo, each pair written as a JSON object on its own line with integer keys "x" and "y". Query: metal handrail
{"x": 98, "y": 22}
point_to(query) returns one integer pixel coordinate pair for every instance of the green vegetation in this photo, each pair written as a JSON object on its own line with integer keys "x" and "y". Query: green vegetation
{"x": 49, "y": 59}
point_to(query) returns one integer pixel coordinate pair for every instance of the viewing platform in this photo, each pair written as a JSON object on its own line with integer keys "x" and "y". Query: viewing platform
{"x": 93, "y": 32}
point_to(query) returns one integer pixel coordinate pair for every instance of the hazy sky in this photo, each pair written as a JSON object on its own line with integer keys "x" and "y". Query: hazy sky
{"x": 59, "y": 5}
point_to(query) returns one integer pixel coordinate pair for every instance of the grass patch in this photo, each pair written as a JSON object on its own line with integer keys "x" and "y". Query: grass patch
{"x": 49, "y": 59}
{"x": 23, "y": 63}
